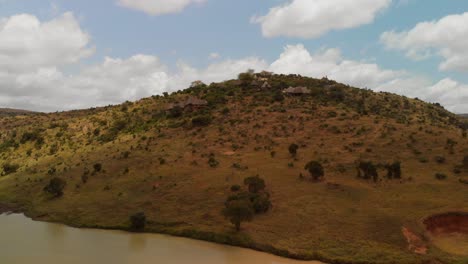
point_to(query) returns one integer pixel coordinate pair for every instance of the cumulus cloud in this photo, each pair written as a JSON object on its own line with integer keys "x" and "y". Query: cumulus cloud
{"x": 313, "y": 18}
{"x": 329, "y": 62}
{"x": 26, "y": 43}
{"x": 33, "y": 56}
{"x": 446, "y": 38}
{"x": 158, "y": 7}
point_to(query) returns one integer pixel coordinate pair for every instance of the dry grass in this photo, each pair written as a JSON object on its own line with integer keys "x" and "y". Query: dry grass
{"x": 341, "y": 219}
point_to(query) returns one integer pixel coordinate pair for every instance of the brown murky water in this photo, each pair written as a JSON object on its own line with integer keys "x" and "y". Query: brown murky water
{"x": 25, "y": 241}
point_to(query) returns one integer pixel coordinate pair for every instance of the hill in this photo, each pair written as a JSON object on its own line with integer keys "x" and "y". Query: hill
{"x": 391, "y": 165}
{"x": 14, "y": 112}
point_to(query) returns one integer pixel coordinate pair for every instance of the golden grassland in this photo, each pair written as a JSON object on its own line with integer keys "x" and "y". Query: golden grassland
{"x": 158, "y": 165}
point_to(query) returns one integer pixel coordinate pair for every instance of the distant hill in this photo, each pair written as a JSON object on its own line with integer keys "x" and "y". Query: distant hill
{"x": 464, "y": 115}
{"x": 389, "y": 162}
{"x": 14, "y": 112}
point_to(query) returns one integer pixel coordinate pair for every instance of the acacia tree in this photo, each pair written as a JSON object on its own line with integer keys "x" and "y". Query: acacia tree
{"x": 315, "y": 169}
{"x": 238, "y": 211}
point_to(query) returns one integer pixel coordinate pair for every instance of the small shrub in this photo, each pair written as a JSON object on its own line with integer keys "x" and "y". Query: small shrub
{"x": 97, "y": 167}
{"x": 315, "y": 169}
{"x": 9, "y": 168}
{"x": 293, "y": 149}
{"x": 440, "y": 159}
{"x": 440, "y": 176}
{"x": 213, "y": 162}
{"x": 235, "y": 188}
{"x": 200, "y": 121}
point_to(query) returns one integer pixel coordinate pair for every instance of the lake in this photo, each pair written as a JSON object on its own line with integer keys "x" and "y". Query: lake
{"x": 25, "y": 241}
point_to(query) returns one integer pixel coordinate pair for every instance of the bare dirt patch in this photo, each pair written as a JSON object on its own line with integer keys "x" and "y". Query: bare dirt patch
{"x": 449, "y": 232}
{"x": 415, "y": 243}
{"x": 447, "y": 223}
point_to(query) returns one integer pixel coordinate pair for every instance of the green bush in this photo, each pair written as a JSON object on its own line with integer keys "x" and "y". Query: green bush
{"x": 203, "y": 120}
{"x": 293, "y": 149}
{"x": 367, "y": 170}
{"x": 235, "y": 188}
{"x": 255, "y": 183}
{"x": 9, "y": 168}
{"x": 440, "y": 176}
{"x": 238, "y": 211}
{"x": 315, "y": 170}
{"x": 440, "y": 159}
{"x": 97, "y": 167}
{"x": 55, "y": 187}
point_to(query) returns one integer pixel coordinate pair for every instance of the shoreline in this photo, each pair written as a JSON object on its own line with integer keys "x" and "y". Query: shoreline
{"x": 212, "y": 237}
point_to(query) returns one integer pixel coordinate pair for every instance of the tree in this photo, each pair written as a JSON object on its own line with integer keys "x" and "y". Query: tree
{"x": 393, "y": 170}
{"x": 255, "y": 183}
{"x": 9, "y": 168}
{"x": 55, "y": 187}
{"x": 370, "y": 171}
{"x": 97, "y": 167}
{"x": 138, "y": 221}
{"x": 238, "y": 211}
{"x": 315, "y": 169}
{"x": 293, "y": 149}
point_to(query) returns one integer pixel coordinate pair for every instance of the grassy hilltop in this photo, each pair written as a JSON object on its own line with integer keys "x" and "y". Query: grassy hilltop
{"x": 178, "y": 166}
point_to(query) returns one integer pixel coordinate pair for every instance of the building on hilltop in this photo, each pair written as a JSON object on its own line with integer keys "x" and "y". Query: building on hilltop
{"x": 297, "y": 91}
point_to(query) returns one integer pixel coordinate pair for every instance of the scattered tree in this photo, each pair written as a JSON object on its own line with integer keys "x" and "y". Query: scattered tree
{"x": 315, "y": 169}
{"x": 55, "y": 187}
{"x": 97, "y": 167}
{"x": 238, "y": 211}
{"x": 367, "y": 170}
{"x": 393, "y": 170}
{"x": 255, "y": 183}
{"x": 9, "y": 168}
{"x": 293, "y": 149}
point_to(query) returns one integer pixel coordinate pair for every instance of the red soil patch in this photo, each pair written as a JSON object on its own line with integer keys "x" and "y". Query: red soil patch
{"x": 447, "y": 223}
{"x": 415, "y": 243}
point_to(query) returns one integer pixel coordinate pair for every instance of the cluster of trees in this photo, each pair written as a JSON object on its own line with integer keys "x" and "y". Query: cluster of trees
{"x": 243, "y": 205}
{"x": 368, "y": 170}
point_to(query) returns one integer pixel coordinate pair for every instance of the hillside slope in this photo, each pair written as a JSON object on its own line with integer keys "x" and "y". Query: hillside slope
{"x": 176, "y": 162}
{"x": 14, "y": 112}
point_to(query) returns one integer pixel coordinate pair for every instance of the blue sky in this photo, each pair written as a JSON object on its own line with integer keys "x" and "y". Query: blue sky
{"x": 225, "y": 27}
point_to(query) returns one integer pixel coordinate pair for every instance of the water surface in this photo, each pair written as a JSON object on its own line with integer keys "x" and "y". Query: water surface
{"x": 25, "y": 241}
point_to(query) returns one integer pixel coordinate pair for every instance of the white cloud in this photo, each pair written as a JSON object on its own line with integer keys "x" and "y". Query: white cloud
{"x": 158, "y": 7}
{"x": 33, "y": 55}
{"x": 446, "y": 37}
{"x": 329, "y": 62}
{"x": 313, "y": 18}
{"x": 26, "y": 43}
